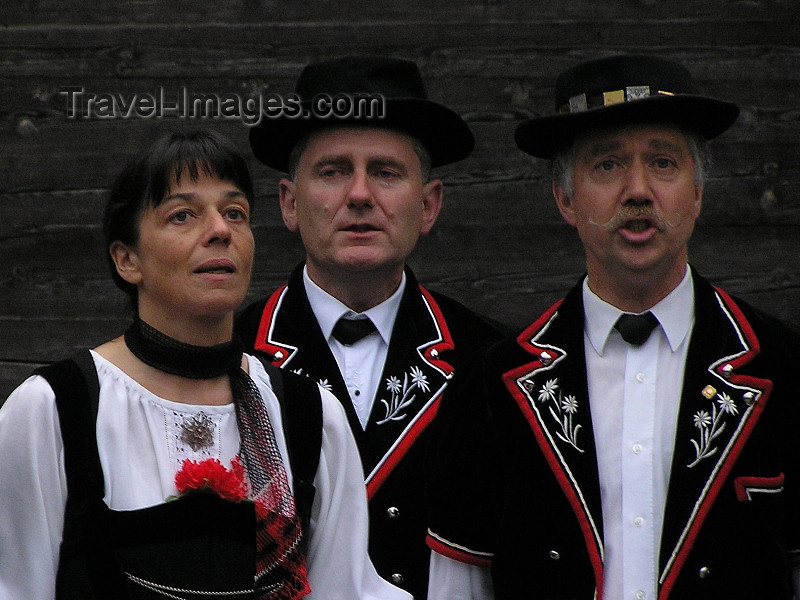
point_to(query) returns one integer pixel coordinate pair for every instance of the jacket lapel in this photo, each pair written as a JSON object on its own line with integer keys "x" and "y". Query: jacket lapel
{"x": 719, "y": 409}
{"x": 413, "y": 379}
{"x": 552, "y": 393}
{"x": 290, "y": 333}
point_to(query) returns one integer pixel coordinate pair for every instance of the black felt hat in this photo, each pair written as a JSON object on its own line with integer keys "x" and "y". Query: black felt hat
{"x": 444, "y": 133}
{"x": 619, "y": 90}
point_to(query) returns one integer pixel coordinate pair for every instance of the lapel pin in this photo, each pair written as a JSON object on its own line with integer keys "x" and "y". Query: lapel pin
{"x": 709, "y": 392}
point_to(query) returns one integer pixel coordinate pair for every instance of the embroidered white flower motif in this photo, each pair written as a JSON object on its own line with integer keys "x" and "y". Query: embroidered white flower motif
{"x": 562, "y": 409}
{"x": 711, "y": 426}
{"x": 418, "y": 378}
{"x": 393, "y": 384}
{"x": 727, "y": 404}
{"x": 569, "y": 405}
{"x": 702, "y": 420}
{"x": 548, "y": 390}
{"x": 324, "y": 383}
{"x": 402, "y": 394}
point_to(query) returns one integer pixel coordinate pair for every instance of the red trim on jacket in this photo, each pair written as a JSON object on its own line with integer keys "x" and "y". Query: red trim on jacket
{"x": 510, "y": 380}
{"x": 279, "y": 354}
{"x": 461, "y": 554}
{"x": 432, "y": 352}
{"x": 752, "y": 350}
{"x": 425, "y": 416}
{"x": 744, "y": 486}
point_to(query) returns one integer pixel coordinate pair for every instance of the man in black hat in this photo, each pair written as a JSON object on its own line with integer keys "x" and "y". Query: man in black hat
{"x": 353, "y": 316}
{"x": 638, "y": 440}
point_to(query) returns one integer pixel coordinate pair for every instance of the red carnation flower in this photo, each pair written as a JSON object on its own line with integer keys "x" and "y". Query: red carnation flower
{"x": 210, "y": 475}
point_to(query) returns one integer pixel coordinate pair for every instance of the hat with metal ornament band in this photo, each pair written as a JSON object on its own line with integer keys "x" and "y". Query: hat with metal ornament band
{"x": 619, "y": 90}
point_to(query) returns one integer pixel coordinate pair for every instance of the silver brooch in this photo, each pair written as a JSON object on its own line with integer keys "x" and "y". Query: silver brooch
{"x": 197, "y": 431}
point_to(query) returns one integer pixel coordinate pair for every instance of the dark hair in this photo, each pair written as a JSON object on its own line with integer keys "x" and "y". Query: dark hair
{"x": 145, "y": 182}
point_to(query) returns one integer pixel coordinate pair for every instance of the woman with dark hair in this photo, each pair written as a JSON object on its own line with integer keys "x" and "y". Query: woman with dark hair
{"x": 173, "y": 465}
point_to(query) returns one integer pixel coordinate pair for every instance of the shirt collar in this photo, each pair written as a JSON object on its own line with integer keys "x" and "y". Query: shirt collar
{"x": 675, "y": 314}
{"x": 328, "y": 310}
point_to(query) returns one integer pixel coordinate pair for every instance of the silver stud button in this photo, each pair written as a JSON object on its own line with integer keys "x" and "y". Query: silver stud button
{"x": 393, "y": 512}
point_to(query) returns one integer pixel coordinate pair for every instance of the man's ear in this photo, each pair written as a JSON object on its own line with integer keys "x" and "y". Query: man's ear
{"x": 126, "y": 262}
{"x": 286, "y": 194}
{"x": 432, "y": 194}
{"x": 698, "y": 200}
{"x": 564, "y": 203}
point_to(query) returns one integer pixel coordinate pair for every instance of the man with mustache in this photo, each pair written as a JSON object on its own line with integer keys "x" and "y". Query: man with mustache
{"x": 638, "y": 440}
{"x": 353, "y": 316}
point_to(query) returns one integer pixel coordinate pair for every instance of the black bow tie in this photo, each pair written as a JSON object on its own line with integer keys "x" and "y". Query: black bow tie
{"x": 635, "y": 329}
{"x": 349, "y": 331}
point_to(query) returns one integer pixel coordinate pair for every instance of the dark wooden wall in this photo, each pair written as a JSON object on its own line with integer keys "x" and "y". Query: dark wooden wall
{"x": 499, "y": 246}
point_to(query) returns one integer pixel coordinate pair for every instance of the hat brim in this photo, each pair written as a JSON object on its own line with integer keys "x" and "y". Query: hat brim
{"x": 543, "y": 136}
{"x": 445, "y": 135}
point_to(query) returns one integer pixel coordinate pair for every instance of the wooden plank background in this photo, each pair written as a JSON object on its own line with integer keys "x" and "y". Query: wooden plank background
{"x": 499, "y": 246}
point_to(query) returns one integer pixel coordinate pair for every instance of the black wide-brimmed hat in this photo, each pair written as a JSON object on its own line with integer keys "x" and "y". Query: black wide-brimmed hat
{"x": 619, "y": 90}
{"x": 406, "y": 108}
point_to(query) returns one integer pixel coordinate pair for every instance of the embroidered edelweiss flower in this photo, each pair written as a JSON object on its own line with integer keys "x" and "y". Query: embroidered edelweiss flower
{"x": 324, "y": 383}
{"x": 393, "y": 385}
{"x": 209, "y": 475}
{"x": 727, "y": 404}
{"x": 418, "y": 378}
{"x": 702, "y": 419}
{"x": 548, "y": 390}
{"x": 569, "y": 405}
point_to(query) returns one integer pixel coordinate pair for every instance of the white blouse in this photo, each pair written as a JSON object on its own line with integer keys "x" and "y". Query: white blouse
{"x": 140, "y": 447}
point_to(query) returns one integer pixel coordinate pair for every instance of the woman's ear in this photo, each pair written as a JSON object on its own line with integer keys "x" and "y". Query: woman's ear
{"x": 126, "y": 262}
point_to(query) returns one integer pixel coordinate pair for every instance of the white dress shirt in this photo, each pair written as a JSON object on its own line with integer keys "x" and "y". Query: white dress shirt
{"x": 634, "y": 395}
{"x": 361, "y": 364}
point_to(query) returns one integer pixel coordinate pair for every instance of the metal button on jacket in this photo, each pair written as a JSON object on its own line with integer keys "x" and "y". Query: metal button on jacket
{"x": 398, "y": 578}
{"x": 393, "y": 512}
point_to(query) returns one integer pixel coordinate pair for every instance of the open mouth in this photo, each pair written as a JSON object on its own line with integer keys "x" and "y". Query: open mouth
{"x": 638, "y": 226}
{"x": 215, "y": 268}
{"x": 360, "y": 228}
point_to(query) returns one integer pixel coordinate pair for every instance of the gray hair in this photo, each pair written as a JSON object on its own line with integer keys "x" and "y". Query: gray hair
{"x": 562, "y": 164}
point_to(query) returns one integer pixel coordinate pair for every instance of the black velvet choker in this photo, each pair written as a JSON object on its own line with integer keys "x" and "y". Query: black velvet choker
{"x": 172, "y": 356}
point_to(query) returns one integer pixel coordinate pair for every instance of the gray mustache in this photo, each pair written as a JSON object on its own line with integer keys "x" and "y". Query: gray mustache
{"x": 630, "y": 211}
